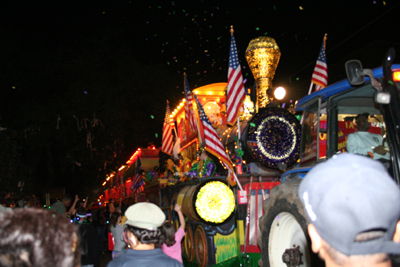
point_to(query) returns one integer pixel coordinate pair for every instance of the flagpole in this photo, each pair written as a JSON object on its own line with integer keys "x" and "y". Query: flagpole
{"x": 238, "y": 126}
{"x": 311, "y": 85}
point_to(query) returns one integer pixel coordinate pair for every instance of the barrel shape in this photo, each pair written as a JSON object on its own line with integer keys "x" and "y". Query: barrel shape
{"x": 211, "y": 201}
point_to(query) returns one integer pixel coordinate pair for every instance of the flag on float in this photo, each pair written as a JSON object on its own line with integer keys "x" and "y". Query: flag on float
{"x": 138, "y": 183}
{"x": 320, "y": 74}
{"x": 167, "y": 140}
{"x": 235, "y": 93}
{"x": 212, "y": 142}
{"x": 189, "y": 114}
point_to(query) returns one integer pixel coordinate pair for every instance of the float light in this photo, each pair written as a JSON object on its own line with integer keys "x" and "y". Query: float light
{"x": 280, "y": 93}
{"x": 396, "y": 76}
{"x": 122, "y": 167}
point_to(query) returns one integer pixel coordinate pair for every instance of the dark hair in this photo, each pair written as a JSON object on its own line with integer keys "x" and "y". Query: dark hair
{"x": 114, "y": 218}
{"x": 168, "y": 231}
{"x": 145, "y": 236}
{"x": 362, "y": 115}
{"x": 37, "y": 238}
{"x": 66, "y": 197}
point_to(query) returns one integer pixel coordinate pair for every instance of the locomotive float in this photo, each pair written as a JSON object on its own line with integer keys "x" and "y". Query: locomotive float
{"x": 263, "y": 224}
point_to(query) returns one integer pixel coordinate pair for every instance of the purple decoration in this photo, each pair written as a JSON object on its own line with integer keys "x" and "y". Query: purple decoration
{"x": 274, "y": 130}
{"x": 244, "y": 81}
{"x": 283, "y": 105}
{"x": 210, "y": 169}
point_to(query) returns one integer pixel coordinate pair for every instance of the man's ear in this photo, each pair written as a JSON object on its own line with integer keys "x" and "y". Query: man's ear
{"x": 316, "y": 241}
{"x": 396, "y": 236}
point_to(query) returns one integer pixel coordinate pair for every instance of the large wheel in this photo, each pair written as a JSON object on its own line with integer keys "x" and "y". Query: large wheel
{"x": 283, "y": 226}
{"x": 200, "y": 243}
{"x": 188, "y": 243}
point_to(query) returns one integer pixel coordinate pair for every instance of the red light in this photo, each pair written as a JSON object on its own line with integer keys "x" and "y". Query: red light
{"x": 396, "y": 76}
{"x": 139, "y": 149}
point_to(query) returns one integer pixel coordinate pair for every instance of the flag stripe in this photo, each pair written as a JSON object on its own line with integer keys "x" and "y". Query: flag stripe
{"x": 213, "y": 144}
{"x": 167, "y": 140}
{"x": 189, "y": 113}
{"x": 235, "y": 91}
{"x": 320, "y": 74}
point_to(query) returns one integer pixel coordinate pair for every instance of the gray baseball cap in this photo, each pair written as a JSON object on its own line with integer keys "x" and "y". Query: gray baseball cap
{"x": 348, "y": 195}
{"x": 144, "y": 215}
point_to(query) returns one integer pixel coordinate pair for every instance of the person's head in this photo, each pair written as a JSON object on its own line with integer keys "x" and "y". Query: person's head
{"x": 202, "y": 153}
{"x": 168, "y": 231}
{"x": 37, "y": 238}
{"x": 80, "y": 215}
{"x": 114, "y": 218}
{"x": 362, "y": 123}
{"x": 352, "y": 205}
{"x": 66, "y": 200}
{"x": 143, "y": 225}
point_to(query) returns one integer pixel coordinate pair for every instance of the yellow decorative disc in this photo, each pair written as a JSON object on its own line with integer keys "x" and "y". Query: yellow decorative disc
{"x": 215, "y": 202}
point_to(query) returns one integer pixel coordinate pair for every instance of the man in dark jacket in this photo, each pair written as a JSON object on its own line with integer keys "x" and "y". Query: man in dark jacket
{"x": 90, "y": 252}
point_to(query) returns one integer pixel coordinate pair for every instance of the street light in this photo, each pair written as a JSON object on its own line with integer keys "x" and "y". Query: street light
{"x": 280, "y": 93}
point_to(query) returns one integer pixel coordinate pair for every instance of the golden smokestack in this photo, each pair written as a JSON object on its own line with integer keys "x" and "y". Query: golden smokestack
{"x": 263, "y": 56}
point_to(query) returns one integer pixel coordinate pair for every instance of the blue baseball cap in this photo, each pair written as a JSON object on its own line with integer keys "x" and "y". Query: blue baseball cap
{"x": 348, "y": 195}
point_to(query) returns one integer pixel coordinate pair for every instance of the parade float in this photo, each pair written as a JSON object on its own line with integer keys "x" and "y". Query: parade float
{"x": 223, "y": 215}
{"x": 222, "y": 220}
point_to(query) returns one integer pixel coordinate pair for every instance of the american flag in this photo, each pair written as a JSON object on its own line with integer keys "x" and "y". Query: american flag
{"x": 213, "y": 144}
{"x": 138, "y": 183}
{"x": 189, "y": 114}
{"x": 167, "y": 140}
{"x": 236, "y": 92}
{"x": 320, "y": 74}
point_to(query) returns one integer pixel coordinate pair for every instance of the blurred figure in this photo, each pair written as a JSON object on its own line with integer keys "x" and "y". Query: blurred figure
{"x": 37, "y": 238}
{"x": 5, "y": 199}
{"x": 117, "y": 230}
{"x": 90, "y": 252}
{"x": 61, "y": 206}
{"x": 100, "y": 227}
{"x": 111, "y": 206}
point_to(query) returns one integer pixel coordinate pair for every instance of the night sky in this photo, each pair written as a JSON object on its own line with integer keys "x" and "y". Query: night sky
{"x": 159, "y": 40}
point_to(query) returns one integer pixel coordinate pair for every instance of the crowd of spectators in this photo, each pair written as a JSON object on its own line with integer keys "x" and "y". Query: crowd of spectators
{"x": 351, "y": 203}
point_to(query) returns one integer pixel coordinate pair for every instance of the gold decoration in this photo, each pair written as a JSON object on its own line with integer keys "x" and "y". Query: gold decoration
{"x": 263, "y": 56}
